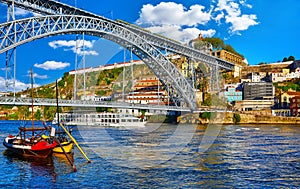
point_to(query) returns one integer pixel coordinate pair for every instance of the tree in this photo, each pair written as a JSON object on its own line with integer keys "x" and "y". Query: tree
{"x": 101, "y": 93}
{"x": 207, "y": 100}
{"x": 291, "y": 58}
{"x": 13, "y": 116}
{"x": 284, "y": 59}
{"x": 217, "y": 43}
{"x": 236, "y": 118}
{"x": 38, "y": 115}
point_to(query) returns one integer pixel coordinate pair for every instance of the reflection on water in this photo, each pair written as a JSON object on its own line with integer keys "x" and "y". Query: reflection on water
{"x": 240, "y": 157}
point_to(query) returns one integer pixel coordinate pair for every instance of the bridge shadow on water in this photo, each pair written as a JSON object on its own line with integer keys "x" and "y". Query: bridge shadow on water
{"x": 40, "y": 171}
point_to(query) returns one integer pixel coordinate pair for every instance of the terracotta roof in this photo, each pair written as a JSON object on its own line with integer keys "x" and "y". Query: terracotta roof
{"x": 293, "y": 93}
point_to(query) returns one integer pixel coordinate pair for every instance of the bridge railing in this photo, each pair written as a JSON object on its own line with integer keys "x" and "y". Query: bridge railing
{"x": 94, "y": 104}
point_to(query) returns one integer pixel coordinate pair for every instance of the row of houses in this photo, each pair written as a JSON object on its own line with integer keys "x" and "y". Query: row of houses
{"x": 256, "y": 91}
{"x": 257, "y": 96}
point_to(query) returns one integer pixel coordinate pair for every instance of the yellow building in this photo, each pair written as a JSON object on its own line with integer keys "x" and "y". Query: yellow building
{"x": 233, "y": 58}
{"x": 230, "y": 57}
{"x": 185, "y": 69}
{"x": 285, "y": 71}
{"x": 284, "y": 98}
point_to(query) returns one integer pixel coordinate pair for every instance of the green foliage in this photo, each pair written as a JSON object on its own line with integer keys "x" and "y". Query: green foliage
{"x": 236, "y": 118}
{"x": 49, "y": 112}
{"x": 290, "y": 58}
{"x": 101, "y": 93}
{"x": 208, "y": 100}
{"x": 66, "y": 74}
{"x": 208, "y": 115}
{"x": 108, "y": 76}
{"x": 218, "y": 44}
{"x": 103, "y": 109}
{"x": 290, "y": 85}
{"x": 61, "y": 83}
{"x": 107, "y": 81}
{"x": 38, "y": 115}
{"x": 143, "y": 112}
{"x": 13, "y": 116}
{"x": 205, "y": 115}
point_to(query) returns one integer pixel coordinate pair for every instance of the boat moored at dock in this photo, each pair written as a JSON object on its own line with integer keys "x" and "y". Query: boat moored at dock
{"x": 107, "y": 119}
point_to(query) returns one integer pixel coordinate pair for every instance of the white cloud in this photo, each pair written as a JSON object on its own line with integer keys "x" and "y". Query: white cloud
{"x": 19, "y": 85}
{"x": 35, "y": 75}
{"x": 83, "y": 46}
{"x": 238, "y": 21}
{"x": 175, "y": 21}
{"x": 170, "y": 13}
{"x": 52, "y": 65}
{"x": 21, "y": 12}
{"x": 219, "y": 17}
{"x": 177, "y": 33}
{"x": 241, "y": 23}
{"x": 244, "y": 3}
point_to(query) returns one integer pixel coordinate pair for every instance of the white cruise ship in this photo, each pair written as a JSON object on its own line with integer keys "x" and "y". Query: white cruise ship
{"x": 100, "y": 119}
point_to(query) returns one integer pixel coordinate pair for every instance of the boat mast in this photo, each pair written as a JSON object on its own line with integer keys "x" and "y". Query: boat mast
{"x": 123, "y": 84}
{"x": 32, "y": 114}
{"x": 57, "y": 109}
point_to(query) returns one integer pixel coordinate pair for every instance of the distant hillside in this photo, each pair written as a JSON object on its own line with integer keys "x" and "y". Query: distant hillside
{"x": 101, "y": 83}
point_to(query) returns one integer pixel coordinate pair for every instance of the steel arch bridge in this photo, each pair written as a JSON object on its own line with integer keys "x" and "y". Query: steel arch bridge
{"x": 52, "y": 7}
{"x": 18, "y": 32}
{"x": 64, "y": 19}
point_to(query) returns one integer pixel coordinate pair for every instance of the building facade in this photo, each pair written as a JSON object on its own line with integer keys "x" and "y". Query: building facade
{"x": 284, "y": 98}
{"x": 232, "y": 94}
{"x": 249, "y": 105}
{"x": 257, "y": 90}
{"x": 294, "y": 106}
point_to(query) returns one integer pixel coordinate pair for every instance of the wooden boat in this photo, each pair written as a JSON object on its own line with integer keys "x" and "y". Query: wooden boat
{"x": 30, "y": 142}
{"x": 35, "y": 146}
{"x": 68, "y": 147}
{"x": 64, "y": 144}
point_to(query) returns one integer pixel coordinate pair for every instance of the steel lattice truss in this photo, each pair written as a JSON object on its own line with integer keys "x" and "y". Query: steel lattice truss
{"x": 17, "y": 32}
{"x": 84, "y": 103}
{"x": 50, "y": 7}
{"x": 94, "y": 104}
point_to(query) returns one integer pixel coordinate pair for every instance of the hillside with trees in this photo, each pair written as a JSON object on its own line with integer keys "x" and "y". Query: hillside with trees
{"x": 218, "y": 44}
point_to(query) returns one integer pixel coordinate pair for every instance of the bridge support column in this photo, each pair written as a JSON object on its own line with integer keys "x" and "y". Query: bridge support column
{"x": 214, "y": 78}
{"x": 11, "y": 56}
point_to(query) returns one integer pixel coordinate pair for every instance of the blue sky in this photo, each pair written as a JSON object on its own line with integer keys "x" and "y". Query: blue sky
{"x": 261, "y": 30}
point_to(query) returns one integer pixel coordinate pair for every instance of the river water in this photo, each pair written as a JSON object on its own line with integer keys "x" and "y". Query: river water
{"x": 165, "y": 156}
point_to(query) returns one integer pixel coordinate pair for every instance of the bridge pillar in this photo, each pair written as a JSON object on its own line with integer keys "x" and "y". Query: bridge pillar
{"x": 214, "y": 78}
{"x": 11, "y": 56}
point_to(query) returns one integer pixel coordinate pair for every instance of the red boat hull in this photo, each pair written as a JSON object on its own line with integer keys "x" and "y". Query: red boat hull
{"x": 41, "y": 149}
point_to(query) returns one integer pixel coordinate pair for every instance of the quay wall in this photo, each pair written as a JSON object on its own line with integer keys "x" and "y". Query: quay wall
{"x": 227, "y": 119}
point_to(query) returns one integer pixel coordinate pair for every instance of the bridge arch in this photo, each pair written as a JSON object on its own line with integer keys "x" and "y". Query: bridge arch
{"x": 18, "y": 32}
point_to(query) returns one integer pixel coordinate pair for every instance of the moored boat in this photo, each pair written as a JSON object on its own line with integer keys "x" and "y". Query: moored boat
{"x": 107, "y": 119}
{"x": 31, "y": 142}
{"x": 68, "y": 147}
{"x": 65, "y": 145}
{"x": 40, "y": 147}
